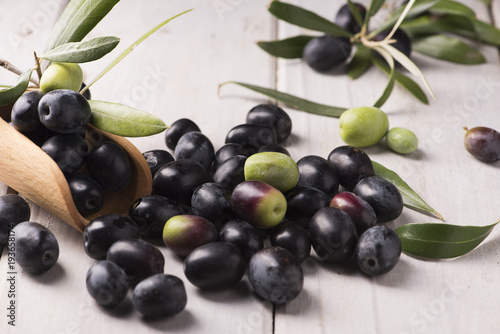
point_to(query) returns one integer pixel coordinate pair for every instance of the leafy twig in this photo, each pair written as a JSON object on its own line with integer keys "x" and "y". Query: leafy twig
{"x": 9, "y": 67}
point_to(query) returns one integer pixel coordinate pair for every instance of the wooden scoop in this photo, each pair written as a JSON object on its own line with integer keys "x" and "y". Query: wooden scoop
{"x": 30, "y": 171}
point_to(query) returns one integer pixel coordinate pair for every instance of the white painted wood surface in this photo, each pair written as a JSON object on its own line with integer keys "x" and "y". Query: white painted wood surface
{"x": 175, "y": 74}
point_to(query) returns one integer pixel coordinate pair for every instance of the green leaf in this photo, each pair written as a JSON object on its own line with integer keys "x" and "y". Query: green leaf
{"x": 130, "y": 48}
{"x": 448, "y": 48}
{"x": 410, "y": 198}
{"x": 293, "y": 101}
{"x": 359, "y": 63}
{"x": 452, "y": 7}
{"x": 124, "y": 121}
{"x": 355, "y": 12}
{"x": 441, "y": 241}
{"x": 77, "y": 20}
{"x": 485, "y": 32}
{"x": 82, "y": 52}
{"x": 418, "y": 8}
{"x": 374, "y": 7}
{"x": 404, "y": 81}
{"x": 305, "y": 19}
{"x": 11, "y": 94}
{"x": 289, "y": 48}
{"x": 390, "y": 84}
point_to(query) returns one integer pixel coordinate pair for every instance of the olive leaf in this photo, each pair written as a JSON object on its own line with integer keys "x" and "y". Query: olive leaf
{"x": 289, "y": 48}
{"x": 441, "y": 241}
{"x": 77, "y": 20}
{"x": 82, "y": 52}
{"x": 359, "y": 63}
{"x": 129, "y": 49}
{"x": 410, "y": 198}
{"x": 355, "y": 13}
{"x": 11, "y": 94}
{"x": 292, "y": 101}
{"x": 390, "y": 84}
{"x": 305, "y": 19}
{"x": 124, "y": 121}
{"x": 429, "y": 25}
{"x": 373, "y": 9}
{"x": 452, "y": 7}
{"x": 404, "y": 81}
{"x": 448, "y": 48}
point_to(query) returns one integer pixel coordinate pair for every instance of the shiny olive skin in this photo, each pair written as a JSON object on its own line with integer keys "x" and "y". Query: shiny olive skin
{"x": 292, "y": 237}
{"x": 64, "y": 111}
{"x": 275, "y": 275}
{"x": 110, "y": 166}
{"x": 251, "y": 136}
{"x": 195, "y": 146}
{"x": 156, "y": 159}
{"x": 346, "y": 20}
{"x": 178, "y": 180}
{"x": 378, "y": 250}
{"x": 318, "y": 173}
{"x": 483, "y": 143}
{"x": 231, "y": 172}
{"x": 150, "y": 213}
{"x": 303, "y": 203}
{"x": 138, "y": 258}
{"x": 333, "y": 234}
{"x": 87, "y": 194}
{"x": 362, "y": 214}
{"x": 68, "y": 151}
{"x": 383, "y": 196}
{"x": 13, "y": 210}
{"x": 213, "y": 202}
{"x": 326, "y": 52}
{"x": 351, "y": 165}
{"x": 177, "y": 130}
{"x": 272, "y": 116}
{"x": 107, "y": 283}
{"x": 24, "y": 115}
{"x": 101, "y": 232}
{"x": 243, "y": 235}
{"x": 36, "y": 247}
{"x": 159, "y": 296}
{"x": 225, "y": 152}
{"x": 273, "y": 148}
{"x": 215, "y": 265}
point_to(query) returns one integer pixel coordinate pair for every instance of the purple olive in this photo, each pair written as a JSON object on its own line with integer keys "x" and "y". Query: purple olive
{"x": 362, "y": 214}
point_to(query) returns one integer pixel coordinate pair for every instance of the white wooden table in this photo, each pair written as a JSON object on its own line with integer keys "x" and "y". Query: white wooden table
{"x": 176, "y": 73}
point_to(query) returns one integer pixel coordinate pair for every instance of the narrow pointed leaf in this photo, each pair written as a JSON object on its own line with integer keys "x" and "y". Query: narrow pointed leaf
{"x": 355, "y": 13}
{"x": 290, "y": 48}
{"x": 293, "y": 101}
{"x": 390, "y": 84}
{"x": 374, "y": 7}
{"x": 404, "y": 81}
{"x": 359, "y": 63}
{"x": 410, "y": 198}
{"x": 441, "y": 241}
{"x": 448, "y": 48}
{"x": 77, "y": 20}
{"x": 452, "y": 7}
{"x": 130, "y": 48}
{"x": 305, "y": 19}
{"x": 11, "y": 94}
{"x": 486, "y": 32}
{"x": 82, "y": 52}
{"x": 124, "y": 121}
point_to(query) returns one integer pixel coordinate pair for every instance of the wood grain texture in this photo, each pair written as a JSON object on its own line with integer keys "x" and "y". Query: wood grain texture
{"x": 176, "y": 73}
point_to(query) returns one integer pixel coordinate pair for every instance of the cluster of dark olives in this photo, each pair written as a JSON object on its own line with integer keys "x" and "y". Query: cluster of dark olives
{"x": 247, "y": 207}
{"x": 57, "y": 122}
{"x": 28, "y": 244}
{"x": 326, "y": 52}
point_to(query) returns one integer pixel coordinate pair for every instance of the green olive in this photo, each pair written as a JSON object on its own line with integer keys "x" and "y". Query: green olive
{"x": 401, "y": 140}
{"x": 61, "y": 76}
{"x": 275, "y": 169}
{"x": 363, "y": 126}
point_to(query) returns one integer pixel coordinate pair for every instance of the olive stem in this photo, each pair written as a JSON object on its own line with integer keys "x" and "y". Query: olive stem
{"x": 37, "y": 67}
{"x": 9, "y": 67}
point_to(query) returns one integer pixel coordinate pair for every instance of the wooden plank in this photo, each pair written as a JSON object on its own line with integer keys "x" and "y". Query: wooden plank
{"x": 417, "y": 296}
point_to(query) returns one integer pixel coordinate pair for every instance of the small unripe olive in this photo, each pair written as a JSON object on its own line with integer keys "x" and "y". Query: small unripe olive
{"x": 276, "y": 169}
{"x": 62, "y": 76}
{"x": 363, "y": 126}
{"x": 401, "y": 140}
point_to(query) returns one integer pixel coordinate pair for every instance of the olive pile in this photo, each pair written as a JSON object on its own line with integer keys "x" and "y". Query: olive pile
{"x": 57, "y": 122}
{"x": 323, "y": 53}
{"x": 246, "y": 208}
